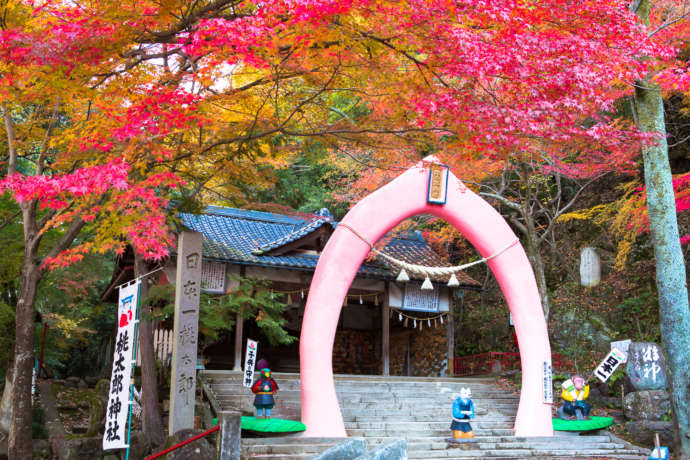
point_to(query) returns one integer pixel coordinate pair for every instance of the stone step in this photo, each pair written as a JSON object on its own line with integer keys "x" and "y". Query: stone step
{"x": 425, "y": 418}
{"x": 237, "y": 375}
{"x": 454, "y": 453}
{"x": 375, "y": 385}
{"x": 416, "y": 394}
{"x": 382, "y": 408}
{"x": 380, "y": 384}
{"x": 383, "y": 399}
{"x": 426, "y": 446}
{"x": 402, "y": 432}
{"x": 280, "y": 456}
{"x": 287, "y": 449}
{"x": 290, "y": 447}
{"x": 356, "y": 408}
{"x": 425, "y": 426}
{"x": 505, "y": 439}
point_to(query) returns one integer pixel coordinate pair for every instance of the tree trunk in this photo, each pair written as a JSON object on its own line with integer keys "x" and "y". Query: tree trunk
{"x": 670, "y": 265}
{"x": 152, "y": 423}
{"x": 534, "y": 256}
{"x": 19, "y": 442}
{"x": 533, "y": 241}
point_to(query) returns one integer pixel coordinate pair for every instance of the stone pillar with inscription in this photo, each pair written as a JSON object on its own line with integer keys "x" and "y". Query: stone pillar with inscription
{"x": 185, "y": 332}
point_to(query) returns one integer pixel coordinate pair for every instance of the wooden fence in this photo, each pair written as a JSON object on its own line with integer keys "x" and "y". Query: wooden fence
{"x": 162, "y": 346}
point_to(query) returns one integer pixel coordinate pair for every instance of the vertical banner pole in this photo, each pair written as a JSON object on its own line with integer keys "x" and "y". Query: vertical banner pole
{"x": 134, "y": 362}
{"x": 118, "y": 409}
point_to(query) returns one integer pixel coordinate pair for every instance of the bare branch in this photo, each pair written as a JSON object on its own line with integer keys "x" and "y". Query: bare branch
{"x": 669, "y": 23}
{"x": 503, "y": 200}
{"x": 10, "y": 219}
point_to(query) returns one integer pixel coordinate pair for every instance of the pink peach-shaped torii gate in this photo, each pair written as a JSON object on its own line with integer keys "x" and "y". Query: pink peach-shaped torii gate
{"x": 372, "y": 217}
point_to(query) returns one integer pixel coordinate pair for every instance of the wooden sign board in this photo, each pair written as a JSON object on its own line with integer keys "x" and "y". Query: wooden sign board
{"x": 417, "y": 299}
{"x": 213, "y": 277}
{"x": 437, "y": 189}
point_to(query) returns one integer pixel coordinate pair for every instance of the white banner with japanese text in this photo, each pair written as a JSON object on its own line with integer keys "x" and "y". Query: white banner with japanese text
{"x": 117, "y": 411}
{"x": 609, "y": 364}
{"x": 249, "y": 362}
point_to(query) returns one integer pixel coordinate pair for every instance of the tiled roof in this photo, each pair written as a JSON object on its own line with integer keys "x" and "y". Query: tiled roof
{"x": 294, "y": 235}
{"x": 242, "y": 236}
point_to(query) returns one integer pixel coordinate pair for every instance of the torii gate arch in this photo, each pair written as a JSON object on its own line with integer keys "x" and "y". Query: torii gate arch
{"x": 372, "y": 217}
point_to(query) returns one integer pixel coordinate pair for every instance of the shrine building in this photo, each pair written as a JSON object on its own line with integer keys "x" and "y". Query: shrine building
{"x": 386, "y": 327}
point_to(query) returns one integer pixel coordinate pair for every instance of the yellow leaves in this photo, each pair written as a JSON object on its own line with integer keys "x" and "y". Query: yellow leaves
{"x": 597, "y": 214}
{"x": 68, "y": 327}
{"x": 626, "y": 218}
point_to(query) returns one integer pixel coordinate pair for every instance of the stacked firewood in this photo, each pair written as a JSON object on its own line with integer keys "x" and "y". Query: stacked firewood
{"x": 429, "y": 351}
{"x": 426, "y": 351}
{"x": 398, "y": 350}
{"x": 353, "y": 352}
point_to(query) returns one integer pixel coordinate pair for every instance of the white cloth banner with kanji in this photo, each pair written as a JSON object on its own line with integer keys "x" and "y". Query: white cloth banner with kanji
{"x": 118, "y": 398}
{"x": 250, "y": 362}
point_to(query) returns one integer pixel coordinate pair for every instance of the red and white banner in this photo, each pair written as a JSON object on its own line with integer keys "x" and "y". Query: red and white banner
{"x": 116, "y": 415}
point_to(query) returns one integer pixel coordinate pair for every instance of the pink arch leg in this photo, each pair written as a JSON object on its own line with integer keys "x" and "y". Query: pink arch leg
{"x": 344, "y": 253}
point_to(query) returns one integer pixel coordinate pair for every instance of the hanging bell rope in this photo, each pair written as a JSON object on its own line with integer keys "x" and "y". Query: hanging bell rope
{"x": 423, "y": 270}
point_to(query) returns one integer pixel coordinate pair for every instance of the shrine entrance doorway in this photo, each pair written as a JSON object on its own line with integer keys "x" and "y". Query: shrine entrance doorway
{"x": 366, "y": 223}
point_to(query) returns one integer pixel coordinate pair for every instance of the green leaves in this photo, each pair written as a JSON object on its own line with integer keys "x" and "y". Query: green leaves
{"x": 252, "y": 298}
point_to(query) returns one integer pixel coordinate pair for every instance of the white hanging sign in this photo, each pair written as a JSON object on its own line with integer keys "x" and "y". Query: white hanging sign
{"x": 547, "y": 383}
{"x": 609, "y": 364}
{"x": 623, "y": 346}
{"x": 213, "y": 277}
{"x": 249, "y": 362}
{"x": 417, "y": 299}
{"x": 117, "y": 412}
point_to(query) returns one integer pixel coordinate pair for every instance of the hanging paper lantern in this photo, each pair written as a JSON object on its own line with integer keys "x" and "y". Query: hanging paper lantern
{"x": 360, "y": 300}
{"x": 426, "y": 285}
{"x": 428, "y": 322}
{"x": 400, "y": 316}
{"x": 441, "y": 318}
{"x": 453, "y": 281}
{"x": 402, "y": 276}
{"x": 289, "y": 299}
{"x": 421, "y": 325}
{"x": 415, "y": 323}
{"x": 302, "y": 293}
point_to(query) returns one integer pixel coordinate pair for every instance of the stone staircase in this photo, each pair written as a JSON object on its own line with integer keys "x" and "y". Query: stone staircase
{"x": 380, "y": 409}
